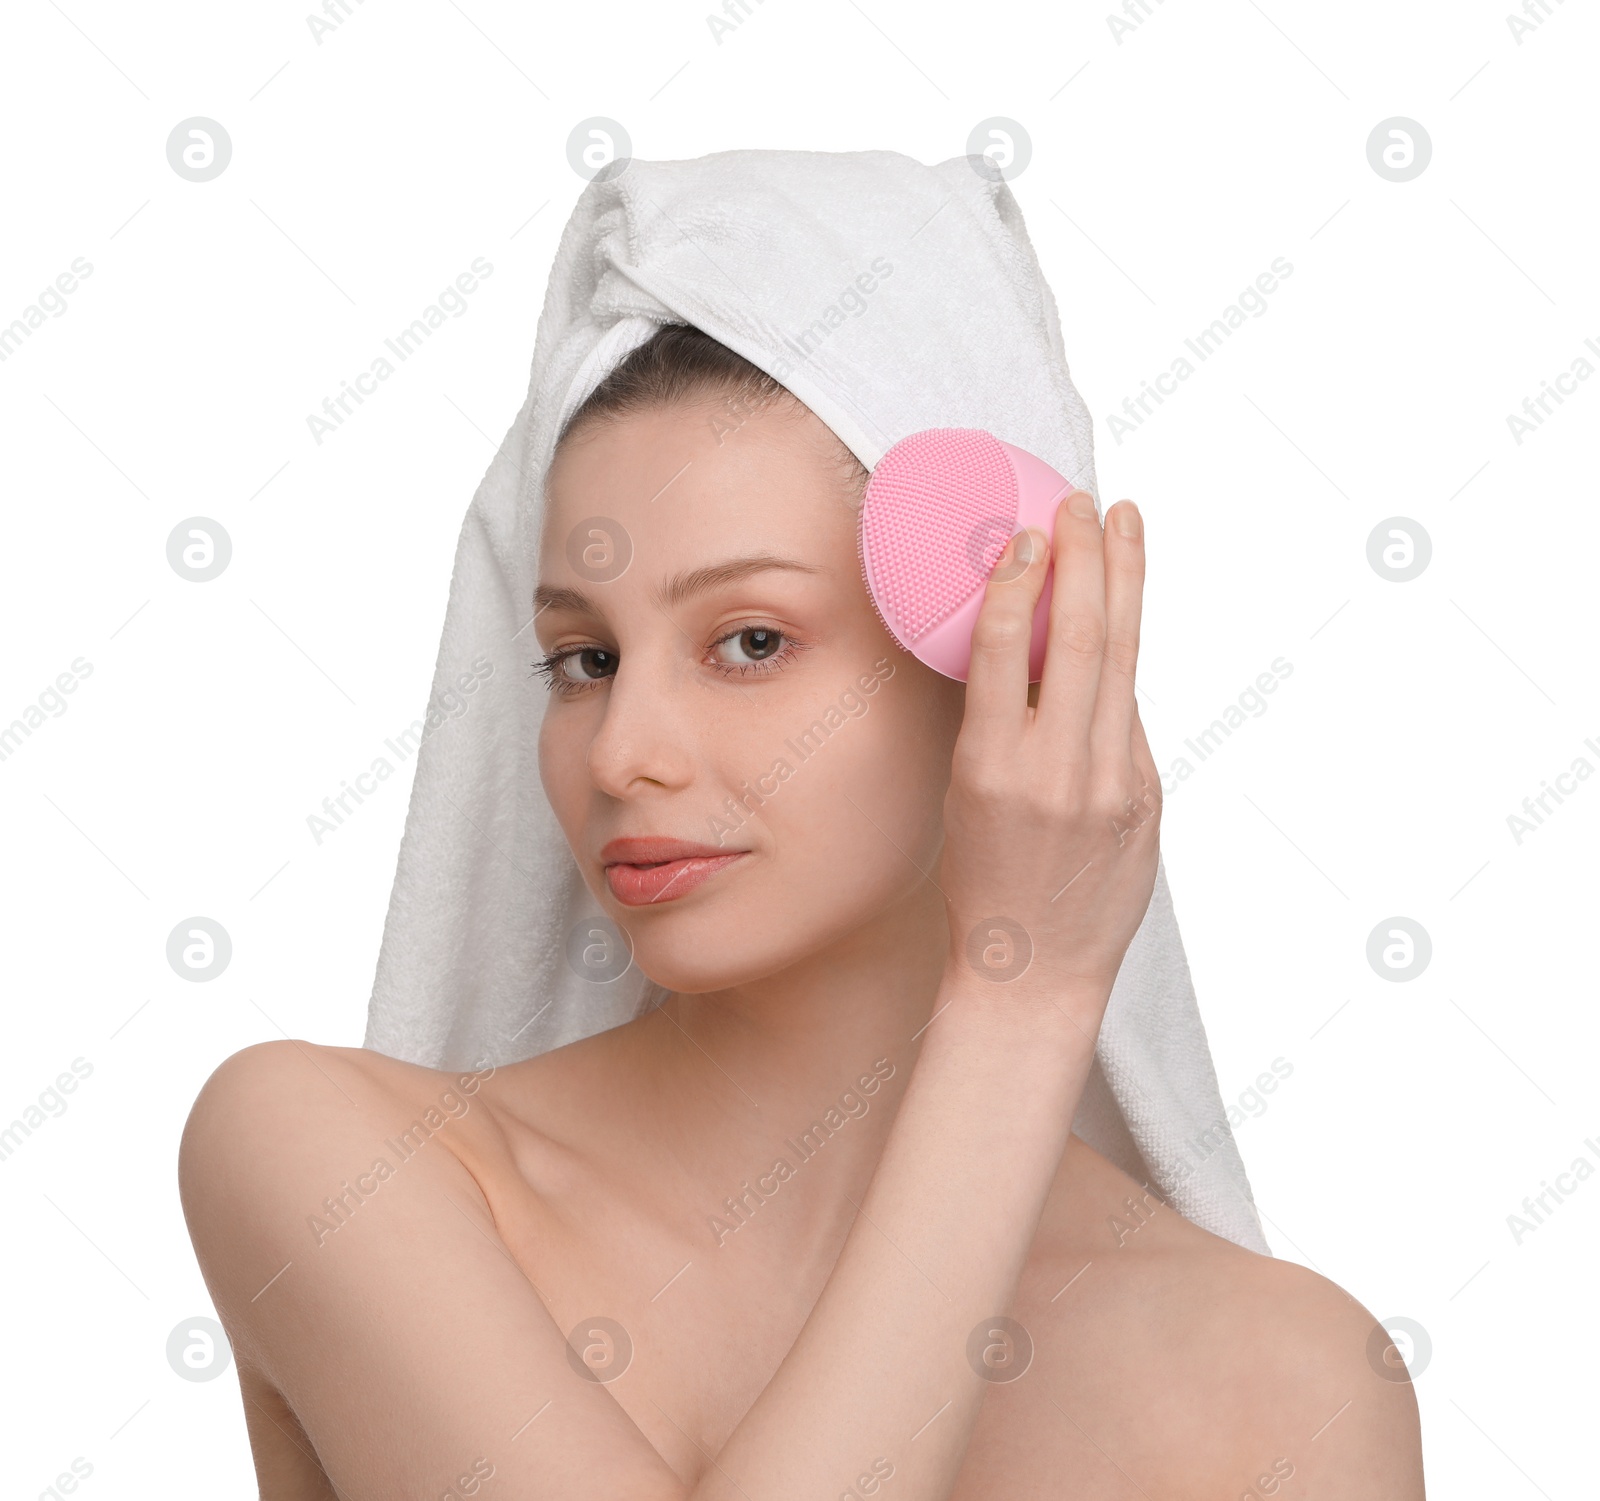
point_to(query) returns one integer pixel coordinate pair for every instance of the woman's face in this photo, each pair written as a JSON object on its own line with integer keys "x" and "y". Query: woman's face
{"x": 746, "y": 765}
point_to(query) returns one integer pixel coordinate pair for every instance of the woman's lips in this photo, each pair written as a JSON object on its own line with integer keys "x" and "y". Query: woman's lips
{"x": 644, "y": 885}
{"x": 644, "y": 871}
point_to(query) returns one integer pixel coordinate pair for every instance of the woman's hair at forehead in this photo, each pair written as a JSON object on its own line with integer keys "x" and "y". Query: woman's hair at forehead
{"x": 676, "y": 363}
{"x": 681, "y": 363}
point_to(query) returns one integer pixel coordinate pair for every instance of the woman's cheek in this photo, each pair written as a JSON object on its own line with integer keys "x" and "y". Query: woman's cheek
{"x": 561, "y": 772}
{"x": 866, "y": 797}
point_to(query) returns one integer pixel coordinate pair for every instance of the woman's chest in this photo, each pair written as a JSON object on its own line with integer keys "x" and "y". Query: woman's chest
{"x": 685, "y": 1331}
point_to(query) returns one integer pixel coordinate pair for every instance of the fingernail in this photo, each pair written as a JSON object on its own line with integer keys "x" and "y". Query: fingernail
{"x": 1081, "y": 503}
{"x": 1128, "y": 519}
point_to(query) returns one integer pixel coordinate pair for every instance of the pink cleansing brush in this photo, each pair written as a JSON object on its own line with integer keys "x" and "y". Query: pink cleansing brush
{"x": 938, "y": 510}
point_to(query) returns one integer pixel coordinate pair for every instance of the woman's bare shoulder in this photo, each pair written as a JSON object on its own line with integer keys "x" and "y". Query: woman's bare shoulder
{"x": 280, "y": 1069}
{"x": 249, "y": 1099}
{"x": 290, "y": 1119}
{"x": 338, "y": 1210}
{"x": 1312, "y": 1366}
{"x": 1215, "y": 1363}
{"x": 294, "y": 1120}
{"x": 1282, "y": 1371}
{"x": 514, "y": 1127}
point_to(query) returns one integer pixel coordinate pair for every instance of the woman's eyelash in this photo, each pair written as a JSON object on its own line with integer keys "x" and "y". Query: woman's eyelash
{"x": 549, "y": 666}
{"x": 546, "y": 667}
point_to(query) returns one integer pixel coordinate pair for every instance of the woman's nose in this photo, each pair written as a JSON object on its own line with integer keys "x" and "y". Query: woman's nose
{"x": 639, "y": 742}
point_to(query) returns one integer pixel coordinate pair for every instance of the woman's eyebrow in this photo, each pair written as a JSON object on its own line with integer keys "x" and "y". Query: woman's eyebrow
{"x": 686, "y": 585}
{"x": 547, "y": 597}
{"x": 680, "y": 587}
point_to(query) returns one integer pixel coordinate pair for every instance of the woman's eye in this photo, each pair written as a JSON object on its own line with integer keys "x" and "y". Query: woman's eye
{"x": 753, "y": 644}
{"x": 750, "y": 649}
{"x": 587, "y": 664}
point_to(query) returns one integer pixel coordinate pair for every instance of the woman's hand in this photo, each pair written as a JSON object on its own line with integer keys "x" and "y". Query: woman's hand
{"x": 1053, "y": 811}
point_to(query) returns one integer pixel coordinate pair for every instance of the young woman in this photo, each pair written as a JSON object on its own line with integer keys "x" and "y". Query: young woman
{"x": 587, "y": 1274}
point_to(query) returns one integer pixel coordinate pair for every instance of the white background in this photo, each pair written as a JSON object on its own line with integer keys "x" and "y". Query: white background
{"x": 1168, "y": 170}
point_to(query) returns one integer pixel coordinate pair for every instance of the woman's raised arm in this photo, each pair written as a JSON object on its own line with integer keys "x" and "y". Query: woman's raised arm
{"x": 1050, "y": 858}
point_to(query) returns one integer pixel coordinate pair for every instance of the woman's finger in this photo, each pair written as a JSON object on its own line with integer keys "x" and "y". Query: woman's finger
{"x": 1110, "y": 737}
{"x": 1077, "y": 631}
{"x": 997, "y": 679}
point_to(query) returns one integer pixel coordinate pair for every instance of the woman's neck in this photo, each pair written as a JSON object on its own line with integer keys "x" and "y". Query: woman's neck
{"x": 807, "y": 1065}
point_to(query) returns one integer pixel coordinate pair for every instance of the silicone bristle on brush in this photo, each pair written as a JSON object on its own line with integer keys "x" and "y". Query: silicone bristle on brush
{"x": 937, "y": 511}
{"x": 867, "y": 581}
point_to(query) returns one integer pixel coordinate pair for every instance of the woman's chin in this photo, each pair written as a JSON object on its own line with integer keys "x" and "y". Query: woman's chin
{"x": 681, "y": 975}
{"x": 695, "y": 953}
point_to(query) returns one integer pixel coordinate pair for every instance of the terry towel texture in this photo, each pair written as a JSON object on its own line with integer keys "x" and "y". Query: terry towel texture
{"x": 888, "y": 296}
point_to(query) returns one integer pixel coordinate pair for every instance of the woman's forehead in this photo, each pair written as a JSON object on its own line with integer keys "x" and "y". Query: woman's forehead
{"x": 676, "y": 491}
